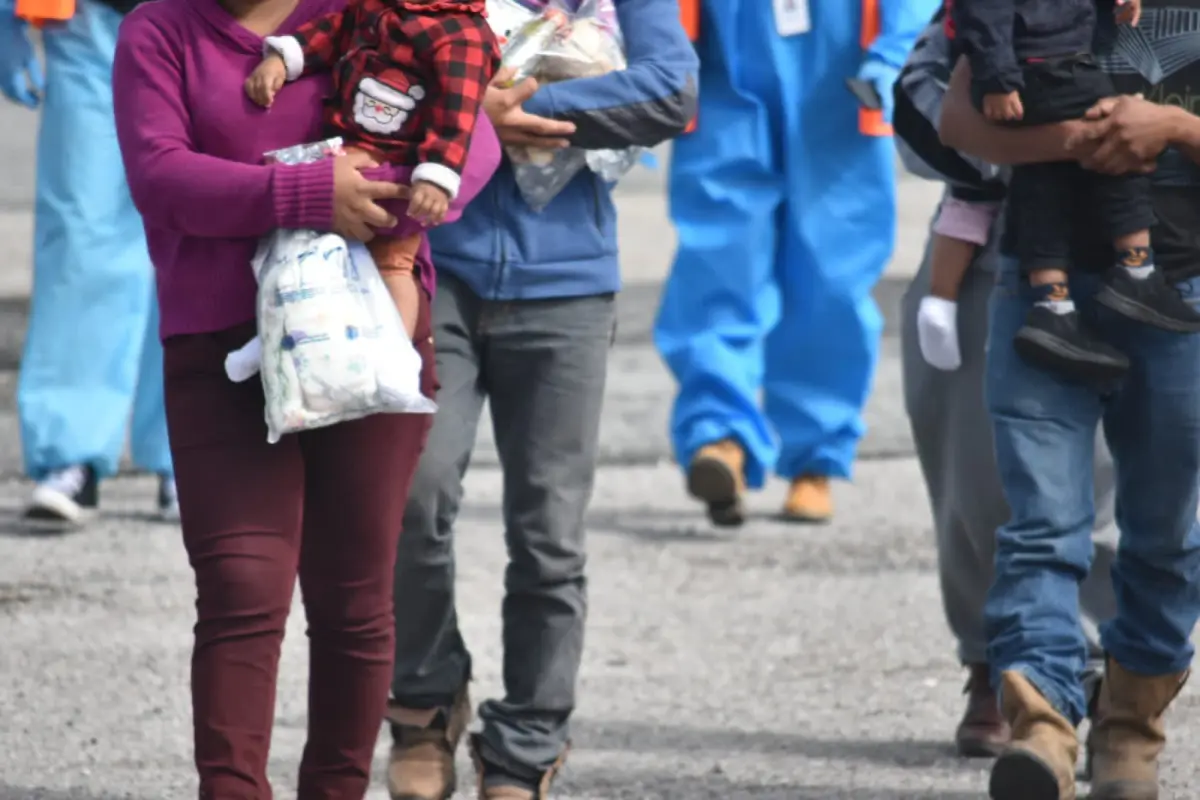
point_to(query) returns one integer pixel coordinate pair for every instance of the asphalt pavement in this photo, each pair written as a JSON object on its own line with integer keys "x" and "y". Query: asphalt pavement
{"x": 771, "y": 662}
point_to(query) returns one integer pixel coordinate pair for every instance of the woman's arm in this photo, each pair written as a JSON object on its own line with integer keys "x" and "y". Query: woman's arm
{"x": 176, "y": 188}
{"x": 648, "y": 102}
{"x": 963, "y": 128}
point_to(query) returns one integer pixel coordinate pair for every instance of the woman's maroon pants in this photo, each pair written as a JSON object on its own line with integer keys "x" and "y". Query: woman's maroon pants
{"x": 325, "y": 505}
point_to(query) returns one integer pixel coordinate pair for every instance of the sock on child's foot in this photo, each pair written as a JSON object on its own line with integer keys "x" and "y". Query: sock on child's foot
{"x": 937, "y": 333}
{"x": 1054, "y": 296}
{"x": 1137, "y": 261}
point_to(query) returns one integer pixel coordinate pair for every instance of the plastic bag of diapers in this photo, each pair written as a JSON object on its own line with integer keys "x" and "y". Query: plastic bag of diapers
{"x": 331, "y": 345}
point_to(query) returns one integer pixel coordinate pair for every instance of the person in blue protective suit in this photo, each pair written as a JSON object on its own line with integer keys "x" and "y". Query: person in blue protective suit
{"x": 784, "y": 201}
{"x": 92, "y": 365}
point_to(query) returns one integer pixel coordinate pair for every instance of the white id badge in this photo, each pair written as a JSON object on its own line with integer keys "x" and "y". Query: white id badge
{"x": 791, "y": 17}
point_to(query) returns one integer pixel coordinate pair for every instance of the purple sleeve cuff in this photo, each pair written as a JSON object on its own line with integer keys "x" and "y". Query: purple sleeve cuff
{"x": 304, "y": 195}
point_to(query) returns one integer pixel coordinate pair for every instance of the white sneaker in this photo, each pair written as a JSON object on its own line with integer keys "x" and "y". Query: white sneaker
{"x": 64, "y": 499}
{"x": 168, "y": 499}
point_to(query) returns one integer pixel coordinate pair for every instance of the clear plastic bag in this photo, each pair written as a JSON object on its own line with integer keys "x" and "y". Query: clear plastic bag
{"x": 557, "y": 45}
{"x": 331, "y": 345}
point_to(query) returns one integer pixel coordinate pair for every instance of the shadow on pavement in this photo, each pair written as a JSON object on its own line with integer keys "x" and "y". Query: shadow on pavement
{"x": 643, "y": 737}
{"x": 716, "y": 786}
{"x": 8, "y": 792}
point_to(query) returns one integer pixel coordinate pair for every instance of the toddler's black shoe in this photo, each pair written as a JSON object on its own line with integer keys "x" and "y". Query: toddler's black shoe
{"x": 1059, "y": 343}
{"x": 1150, "y": 300}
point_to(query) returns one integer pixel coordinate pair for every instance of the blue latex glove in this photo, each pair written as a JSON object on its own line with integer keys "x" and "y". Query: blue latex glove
{"x": 21, "y": 76}
{"x": 882, "y": 76}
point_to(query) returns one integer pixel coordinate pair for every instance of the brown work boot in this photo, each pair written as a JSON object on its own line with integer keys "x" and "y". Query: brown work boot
{"x": 810, "y": 500}
{"x": 421, "y": 765}
{"x": 982, "y": 733}
{"x": 716, "y": 477}
{"x": 493, "y": 784}
{"x": 1039, "y": 763}
{"x": 1128, "y": 734}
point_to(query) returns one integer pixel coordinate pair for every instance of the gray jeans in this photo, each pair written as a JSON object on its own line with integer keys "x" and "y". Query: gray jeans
{"x": 541, "y": 364}
{"x": 953, "y": 434}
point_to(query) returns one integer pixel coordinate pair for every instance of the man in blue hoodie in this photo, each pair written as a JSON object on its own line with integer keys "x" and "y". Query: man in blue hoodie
{"x": 524, "y": 318}
{"x": 784, "y": 200}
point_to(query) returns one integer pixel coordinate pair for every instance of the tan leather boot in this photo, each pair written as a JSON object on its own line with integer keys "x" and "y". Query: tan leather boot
{"x": 507, "y": 792}
{"x": 716, "y": 477}
{"x": 1039, "y": 764}
{"x": 1128, "y": 734}
{"x": 810, "y": 500}
{"x": 421, "y": 764}
{"x": 983, "y": 732}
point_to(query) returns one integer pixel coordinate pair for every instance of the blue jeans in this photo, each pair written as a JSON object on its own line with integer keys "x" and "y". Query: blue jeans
{"x": 1044, "y": 433}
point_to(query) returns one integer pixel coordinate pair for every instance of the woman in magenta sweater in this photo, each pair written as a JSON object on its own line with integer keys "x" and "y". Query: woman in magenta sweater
{"x": 324, "y": 505}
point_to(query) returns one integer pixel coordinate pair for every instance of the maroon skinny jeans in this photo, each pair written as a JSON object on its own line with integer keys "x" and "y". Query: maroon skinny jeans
{"x": 325, "y": 505}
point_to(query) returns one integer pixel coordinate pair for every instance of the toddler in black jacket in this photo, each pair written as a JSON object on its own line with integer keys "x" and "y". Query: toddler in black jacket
{"x": 1032, "y": 64}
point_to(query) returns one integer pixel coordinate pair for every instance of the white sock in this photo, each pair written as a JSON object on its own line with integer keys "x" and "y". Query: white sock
{"x": 1140, "y": 273}
{"x": 1057, "y": 306}
{"x": 243, "y": 364}
{"x": 937, "y": 333}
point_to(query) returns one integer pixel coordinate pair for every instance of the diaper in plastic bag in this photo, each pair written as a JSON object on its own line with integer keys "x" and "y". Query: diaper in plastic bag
{"x": 333, "y": 345}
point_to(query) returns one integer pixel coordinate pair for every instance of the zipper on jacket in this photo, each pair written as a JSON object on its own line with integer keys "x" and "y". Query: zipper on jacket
{"x": 596, "y": 201}
{"x": 500, "y": 250}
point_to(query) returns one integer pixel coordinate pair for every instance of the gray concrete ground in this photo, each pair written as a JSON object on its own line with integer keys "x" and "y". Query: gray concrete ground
{"x": 774, "y": 662}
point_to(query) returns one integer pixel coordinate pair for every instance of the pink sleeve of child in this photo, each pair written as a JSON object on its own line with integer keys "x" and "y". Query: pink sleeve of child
{"x": 966, "y": 220}
{"x": 483, "y": 158}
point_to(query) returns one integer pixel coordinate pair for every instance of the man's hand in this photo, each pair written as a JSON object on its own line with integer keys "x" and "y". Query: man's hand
{"x": 1130, "y": 136}
{"x": 1129, "y": 12}
{"x": 1003, "y": 107}
{"x": 266, "y": 80}
{"x": 428, "y": 203}
{"x": 513, "y": 125}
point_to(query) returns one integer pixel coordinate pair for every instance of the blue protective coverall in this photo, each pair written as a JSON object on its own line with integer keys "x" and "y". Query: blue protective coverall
{"x": 92, "y": 356}
{"x": 785, "y": 213}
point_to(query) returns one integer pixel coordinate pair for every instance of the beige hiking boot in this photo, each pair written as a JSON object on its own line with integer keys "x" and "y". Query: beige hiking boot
{"x": 1039, "y": 764}
{"x": 503, "y": 791}
{"x": 421, "y": 764}
{"x": 810, "y": 500}
{"x": 716, "y": 477}
{"x": 1128, "y": 734}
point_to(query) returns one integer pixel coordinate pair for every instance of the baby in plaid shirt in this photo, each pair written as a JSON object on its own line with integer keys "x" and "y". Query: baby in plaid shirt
{"x": 409, "y": 78}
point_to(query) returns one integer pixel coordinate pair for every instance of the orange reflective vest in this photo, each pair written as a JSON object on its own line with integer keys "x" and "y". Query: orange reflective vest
{"x": 689, "y": 12}
{"x": 870, "y": 123}
{"x": 39, "y": 12}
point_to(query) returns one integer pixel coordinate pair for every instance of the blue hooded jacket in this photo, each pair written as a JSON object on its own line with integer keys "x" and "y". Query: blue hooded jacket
{"x": 502, "y": 248}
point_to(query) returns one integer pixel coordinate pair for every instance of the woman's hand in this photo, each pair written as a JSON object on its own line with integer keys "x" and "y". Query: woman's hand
{"x": 355, "y": 211}
{"x": 1129, "y": 133}
{"x": 513, "y": 125}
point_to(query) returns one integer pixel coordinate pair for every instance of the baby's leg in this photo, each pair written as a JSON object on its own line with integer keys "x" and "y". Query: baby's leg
{"x": 961, "y": 227}
{"x": 1133, "y": 287}
{"x": 395, "y": 257}
{"x": 1042, "y": 201}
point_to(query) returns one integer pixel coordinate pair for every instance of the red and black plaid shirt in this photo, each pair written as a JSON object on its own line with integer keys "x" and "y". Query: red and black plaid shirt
{"x": 413, "y": 72}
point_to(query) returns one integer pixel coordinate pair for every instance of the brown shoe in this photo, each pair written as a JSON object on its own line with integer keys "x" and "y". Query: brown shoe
{"x": 716, "y": 477}
{"x": 809, "y": 500}
{"x": 982, "y": 733}
{"x": 1128, "y": 734}
{"x": 1039, "y": 763}
{"x": 503, "y": 791}
{"x": 421, "y": 764}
